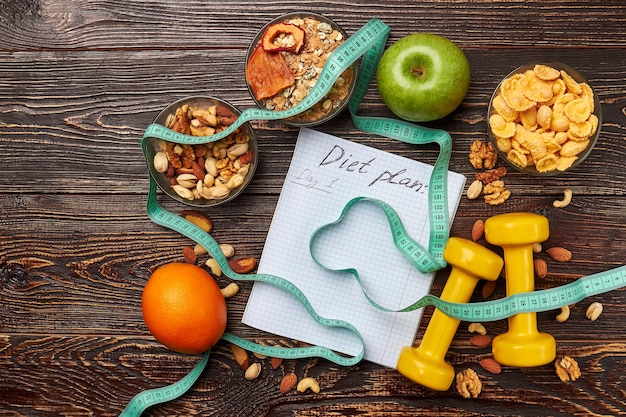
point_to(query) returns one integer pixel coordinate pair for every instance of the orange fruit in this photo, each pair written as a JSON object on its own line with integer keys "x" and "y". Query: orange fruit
{"x": 184, "y": 308}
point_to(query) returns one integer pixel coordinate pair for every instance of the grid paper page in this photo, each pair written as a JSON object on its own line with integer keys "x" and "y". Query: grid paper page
{"x": 325, "y": 173}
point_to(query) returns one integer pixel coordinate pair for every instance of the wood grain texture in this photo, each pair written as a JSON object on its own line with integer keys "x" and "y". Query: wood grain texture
{"x": 80, "y": 80}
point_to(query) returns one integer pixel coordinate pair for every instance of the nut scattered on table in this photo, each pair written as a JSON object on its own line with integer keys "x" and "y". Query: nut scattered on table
{"x": 541, "y": 268}
{"x": 594, "y": 311}
{"x": 478, "y": 229}
{"x": 482, "y": 155}
{"x": 496, "y": 193}
{"x": 559, "y": 254}
{"x": 474, "y": 190}
{"x": 288, "y": 382}
{"x": 253, "y": 371}
{"x": 276, "y": 362}
{"x": 567, "y": 198}
{"x": 490, "y": 365}
{"x": 468, "y": 383}
{"x": 488, "y": 288}
{"x": 230, "y": 290}
{"x": 241, "y": 356}
{"x": 480, "y": 340}
{"x": 308, "y": 383}
{"x": 567, "y": 369}
{"x": 563, "y": 315}
{"x": 477, "y": 328}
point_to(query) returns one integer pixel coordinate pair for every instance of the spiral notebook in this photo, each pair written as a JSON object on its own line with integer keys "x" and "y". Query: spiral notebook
{"x": 326, "y": 172}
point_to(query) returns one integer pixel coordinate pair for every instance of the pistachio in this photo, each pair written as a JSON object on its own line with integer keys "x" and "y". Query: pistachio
{"x": 237, "y": 149}
{"x": 253, "y": 371}
{"x": 210, "y": 166}
{"x": 594, "y": 311}
{"x": 160, "y": 161}
{"x": 183, "y": 192}
{"x": 220, "y": 191}
{"x": 187, "y": 180}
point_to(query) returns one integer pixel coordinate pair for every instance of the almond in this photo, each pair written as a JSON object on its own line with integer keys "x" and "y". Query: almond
{"x": 490, "y": 365}
{"x": 559, "y": 254}
{"x": 190, "y": 255}
{"x": 480, "y": 340}
{"x": 242, "y": 265}
{"x": 478, "y": 230}
{"x": 198, "y": 170}
{"x": 241, "y": 356}
{"x": 199, "y": 219}
{"x": 541, "y": 268}
{"x": 276, "y": 362}
{"x": 488, "y": 288}
{"x": 288, "y": 382}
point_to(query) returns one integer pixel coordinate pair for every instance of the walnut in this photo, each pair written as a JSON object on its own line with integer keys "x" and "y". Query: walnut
{"x": 182, "y": 122}
{"x": 491, "y": 175}
{"x": 495, "y": 193}
{"x": 188, "y": 155}
{"x": 567, "y": 369}
{"x": 468, "y": 383}
{"x": 483, "y": 155}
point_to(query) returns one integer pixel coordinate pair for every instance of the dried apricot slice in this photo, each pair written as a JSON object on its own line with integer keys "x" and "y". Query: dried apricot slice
{"x": 267, "y": 73}
{"x": 283, "y": 37}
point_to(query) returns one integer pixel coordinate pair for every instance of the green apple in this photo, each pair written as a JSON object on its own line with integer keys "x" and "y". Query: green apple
{"x": 423, "y": 77}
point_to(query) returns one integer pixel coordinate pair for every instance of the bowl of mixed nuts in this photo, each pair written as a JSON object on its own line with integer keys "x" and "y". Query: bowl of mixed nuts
{"x": 284, "y": 62}
{"x": 544, "y": 118}
{"x": 203, "y": 174}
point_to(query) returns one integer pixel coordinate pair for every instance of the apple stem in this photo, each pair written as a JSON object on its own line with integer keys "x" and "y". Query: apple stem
{"x": 418, "y": 71}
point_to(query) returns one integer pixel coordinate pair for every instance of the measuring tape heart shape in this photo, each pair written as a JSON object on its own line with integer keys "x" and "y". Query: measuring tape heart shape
{"x": 367, "y": 43}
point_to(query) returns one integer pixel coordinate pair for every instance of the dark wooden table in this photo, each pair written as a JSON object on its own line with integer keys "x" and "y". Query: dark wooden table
{"x": 80, "y": 81}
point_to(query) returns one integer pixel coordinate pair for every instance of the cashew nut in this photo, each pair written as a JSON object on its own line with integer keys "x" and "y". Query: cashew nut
{"x": 567, "y": 198}
{"x": 199, "y": 249}
{"x": 477, "y": 328}
{"x": 230, "y": 290}
{"x": 308, "y": 383}
{"x": 563, "y": 315}
{"x": 214, "y": 267}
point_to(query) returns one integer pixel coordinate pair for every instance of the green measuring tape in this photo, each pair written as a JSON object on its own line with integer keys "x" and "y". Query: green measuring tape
{"x": 367, "y": 43}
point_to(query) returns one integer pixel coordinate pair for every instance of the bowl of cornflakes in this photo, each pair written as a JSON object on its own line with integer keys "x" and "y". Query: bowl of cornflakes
{"x": 544, "y": 118}
{"x": 205, "y": 173}
{"x": 284, "y": 62}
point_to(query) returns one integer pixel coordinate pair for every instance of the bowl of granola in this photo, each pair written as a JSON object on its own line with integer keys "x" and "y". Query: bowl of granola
{"x": 205, "y": 173}
{"x": 544, "y": 118}
{"x": 284, "y": 62}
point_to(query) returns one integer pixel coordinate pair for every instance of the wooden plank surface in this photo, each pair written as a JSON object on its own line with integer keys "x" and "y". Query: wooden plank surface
{"x": 80, "y": 80}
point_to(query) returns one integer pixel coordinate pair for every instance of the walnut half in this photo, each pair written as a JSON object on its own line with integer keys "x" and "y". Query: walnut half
{"x": 567, "y": 369}
{"x": 468, "y": 383}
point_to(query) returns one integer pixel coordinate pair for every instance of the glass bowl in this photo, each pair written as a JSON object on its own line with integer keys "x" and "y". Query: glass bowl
{"x": 560, "y": 126}
{"x": 207, "y": 174}
{"x": 322, "y": 35}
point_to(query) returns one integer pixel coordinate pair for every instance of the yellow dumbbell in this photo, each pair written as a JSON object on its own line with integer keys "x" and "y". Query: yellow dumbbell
{"x": 426, "y": 364}
{"x": 522, "y": 345}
